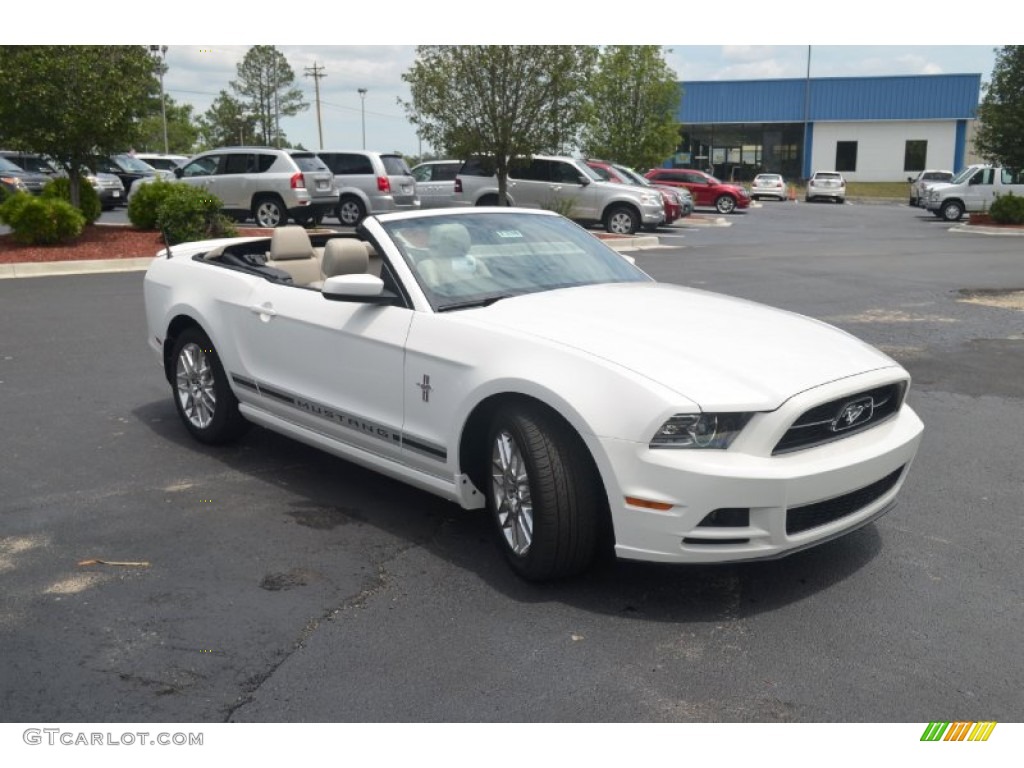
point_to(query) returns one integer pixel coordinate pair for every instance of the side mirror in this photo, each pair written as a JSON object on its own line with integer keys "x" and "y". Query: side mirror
{"x": 179, "y": 172}
{"x": 583, "y": 180}
{"x": 910, "y": 179}
{"x": 365, "y": 289}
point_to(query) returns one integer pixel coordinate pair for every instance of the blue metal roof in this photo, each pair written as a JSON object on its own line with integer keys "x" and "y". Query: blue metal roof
{"x": 897, "y": 97}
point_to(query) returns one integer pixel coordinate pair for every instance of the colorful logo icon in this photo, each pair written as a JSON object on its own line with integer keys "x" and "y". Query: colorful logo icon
{"x": 958, "y": 731}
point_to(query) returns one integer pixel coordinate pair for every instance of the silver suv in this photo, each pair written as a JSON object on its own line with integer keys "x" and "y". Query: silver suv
{"x": 268, "y": 184}
{"x": 370, "y": 182}
{"x": 565, "y": 185}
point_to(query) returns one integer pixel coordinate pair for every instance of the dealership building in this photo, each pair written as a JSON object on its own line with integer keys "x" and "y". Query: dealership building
{"x": 869, "y": 128}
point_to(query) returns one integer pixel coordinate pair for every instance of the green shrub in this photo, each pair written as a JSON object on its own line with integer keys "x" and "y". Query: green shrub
{"x": 88, "y": 201}
{"x": 188, "y": 213}
{"x": 1007, "y": 209}
{"x": 40, "y": 220}
{"x": 144, "y": 205}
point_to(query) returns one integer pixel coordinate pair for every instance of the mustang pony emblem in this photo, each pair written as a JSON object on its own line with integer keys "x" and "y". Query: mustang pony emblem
{"x": 854, "y": 414}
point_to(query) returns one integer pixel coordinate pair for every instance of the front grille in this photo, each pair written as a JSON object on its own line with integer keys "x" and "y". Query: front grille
{"x": 799, "y": 519}
{"x": 822, "y": 424}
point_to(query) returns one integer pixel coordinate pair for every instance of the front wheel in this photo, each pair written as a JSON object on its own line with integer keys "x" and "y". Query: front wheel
{"x": 202, "y": 396}
{"x": 542, "y": 494}
{"x": 952, "y": 210}
{"x": 725, "y": 204}
{"x": 621, "y": 220}
{"x": 269, "y": 212}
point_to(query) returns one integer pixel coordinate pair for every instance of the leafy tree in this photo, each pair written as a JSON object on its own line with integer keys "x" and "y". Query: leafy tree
{"x": 635, "y": 97}
{"x": 75, "y": 101}
{"x": 182, "y": 131}
{"x": 227, "y": 123}
{"x": 265, "y": 87}
{"x": 1001, "y": 112}
{"x": 504, "y": 101}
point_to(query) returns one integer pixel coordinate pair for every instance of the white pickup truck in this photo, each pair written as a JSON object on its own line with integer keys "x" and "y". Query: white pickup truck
{"x": 973, "y": 190}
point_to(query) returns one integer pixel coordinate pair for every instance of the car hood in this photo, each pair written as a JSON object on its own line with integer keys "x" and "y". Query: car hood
{"x": 722, "y": 353}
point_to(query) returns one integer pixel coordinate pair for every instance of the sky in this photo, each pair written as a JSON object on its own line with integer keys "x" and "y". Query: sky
{"x": 196, "y": 74}
{"x": 370, "y": 47}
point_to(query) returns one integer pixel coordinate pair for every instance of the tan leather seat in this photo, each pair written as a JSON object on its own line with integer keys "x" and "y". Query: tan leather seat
{"x": 292, "y": 251}
{"x": 343, "y": 256}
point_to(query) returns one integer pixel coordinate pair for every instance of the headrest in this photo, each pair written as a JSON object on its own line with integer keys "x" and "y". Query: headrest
{"x": 344, "y": 256}
{"x": 449, "y": 241}
{"x": 288, "y": 243}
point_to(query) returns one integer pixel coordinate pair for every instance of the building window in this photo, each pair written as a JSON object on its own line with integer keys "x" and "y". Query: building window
{"x": 846, "y": 155}
{"x": 915, "y": 155}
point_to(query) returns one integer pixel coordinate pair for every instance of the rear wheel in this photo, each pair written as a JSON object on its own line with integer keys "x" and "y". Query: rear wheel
{"x": 488, "y": 200}
{"x": 543, "y": 494}
{"x": 202, "y": 396}
{"x": 351, "y": 211}
{"x": 269, "y": 212}
{"x": 621, "y": 220}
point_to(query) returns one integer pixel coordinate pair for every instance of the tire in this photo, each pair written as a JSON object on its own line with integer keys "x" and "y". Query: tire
{"x": 202, "y": 397}
{"x": 841, "y": 200}
{"x": 725, "y": 204}
{"x": 488, "y": 200}
{"x": 913, "y": 202}
{"x": 269, "y": 212}
{"x": 952, "y": 210}
{"x": 542, "y": 494}
{"x": 351, "y": 211}
{"x": 621, "y": 220}
{"x": 808, "y": 199}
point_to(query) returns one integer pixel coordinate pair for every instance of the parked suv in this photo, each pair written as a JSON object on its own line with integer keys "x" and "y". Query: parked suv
{"x": 127, "y": 168}
{"x": 566, "y": 185}
{"x": 828, "y": 184}
{"x": 269, "y": 184}
{"x": 16, "y": 178}
{"x": 707, "y": 191}
{"x": 675, "y": 207}
{"x": 435, "y": 182}
{"x": 370, "y": 182}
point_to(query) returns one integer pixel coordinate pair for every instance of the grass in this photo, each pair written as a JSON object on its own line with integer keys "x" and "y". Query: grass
{"x": 880, "y": 190}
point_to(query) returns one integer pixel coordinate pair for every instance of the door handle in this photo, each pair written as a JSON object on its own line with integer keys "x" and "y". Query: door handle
{"x": 263, "y": 310}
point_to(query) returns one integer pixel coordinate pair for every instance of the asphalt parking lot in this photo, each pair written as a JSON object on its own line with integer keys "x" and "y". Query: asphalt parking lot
{"x": 268, "y": 582}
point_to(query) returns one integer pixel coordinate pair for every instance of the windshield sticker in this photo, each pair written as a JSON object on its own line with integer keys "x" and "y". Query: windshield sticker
{"x": 509, "y": 233}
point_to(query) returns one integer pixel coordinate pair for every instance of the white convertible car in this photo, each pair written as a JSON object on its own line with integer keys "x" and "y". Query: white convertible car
{"x": 509, "y": 360}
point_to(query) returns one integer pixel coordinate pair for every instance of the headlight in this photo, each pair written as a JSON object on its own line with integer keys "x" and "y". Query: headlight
{"x": 651, "y": 199}
{"x": 15, "y": 182}
{"x": 700, "y": 430}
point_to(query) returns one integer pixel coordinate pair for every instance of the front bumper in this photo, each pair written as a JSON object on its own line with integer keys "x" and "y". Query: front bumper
{"x": 794, "y": 500}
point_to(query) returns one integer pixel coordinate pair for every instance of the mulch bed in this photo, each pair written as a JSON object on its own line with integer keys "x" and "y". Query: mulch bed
{"x": 100, "y": 241}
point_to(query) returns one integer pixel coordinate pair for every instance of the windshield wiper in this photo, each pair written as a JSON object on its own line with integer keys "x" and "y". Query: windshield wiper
{"x": 486, "y": 301}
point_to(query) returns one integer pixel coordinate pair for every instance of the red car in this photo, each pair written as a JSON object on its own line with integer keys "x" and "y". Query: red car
{"x": 707, "y": 191}
{"x": 611, "y": 172}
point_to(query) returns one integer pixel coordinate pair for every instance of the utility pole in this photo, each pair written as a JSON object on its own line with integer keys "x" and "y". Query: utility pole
{"x": 316, "y": 72}
{"x": 362, "y": 95}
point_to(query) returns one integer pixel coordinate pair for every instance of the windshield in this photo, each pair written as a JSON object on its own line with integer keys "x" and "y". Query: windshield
{"x": 7, "y": 165}
{"x": 632, "y": 177}
{"x": 465, "y": 260}
{"x": 965, "y": 174}
{"x": 129, "y": 163}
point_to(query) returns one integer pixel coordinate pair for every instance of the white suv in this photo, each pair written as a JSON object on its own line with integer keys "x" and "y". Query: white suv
{"x": 826, "y": 184}
{"x": 370, "y": 182}
{"x": 565, "y": 185}
{"x": 269, "y": 184}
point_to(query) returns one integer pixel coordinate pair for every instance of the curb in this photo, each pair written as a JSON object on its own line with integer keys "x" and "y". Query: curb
{"x": 82, "y": 267}
{"x": 981, "y": 229}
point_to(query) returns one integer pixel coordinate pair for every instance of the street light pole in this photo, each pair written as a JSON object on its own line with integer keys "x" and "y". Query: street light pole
{"x": 160, "y": 51}
{"x": 362, "y": 95}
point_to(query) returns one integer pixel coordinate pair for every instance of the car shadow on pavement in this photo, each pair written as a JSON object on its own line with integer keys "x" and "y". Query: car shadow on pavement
{"x": 324, "y": 493}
